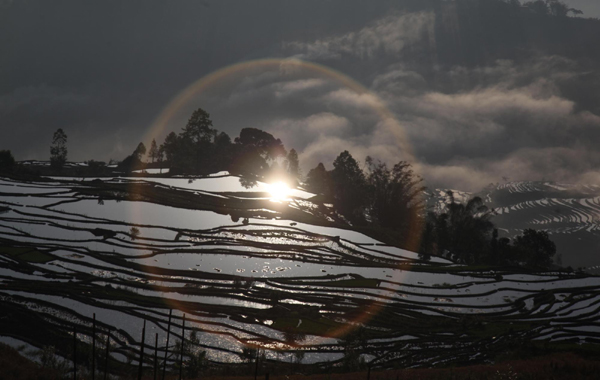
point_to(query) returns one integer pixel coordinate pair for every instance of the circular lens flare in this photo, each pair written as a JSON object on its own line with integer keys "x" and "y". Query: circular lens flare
{"x": 289, "y": 70}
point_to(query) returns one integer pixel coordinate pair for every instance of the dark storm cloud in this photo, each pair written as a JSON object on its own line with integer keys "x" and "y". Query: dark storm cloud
{"x": 514, "y": 123}
{"x": 318, "y": 116}
{"x": 104, "y": 70}
{"x": 472, "y": 126}
{"x": 129, "y": 58}
{"x": 389, "y": 35}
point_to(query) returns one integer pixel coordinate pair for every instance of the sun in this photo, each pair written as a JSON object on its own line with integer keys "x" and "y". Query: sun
{"x": 279, "y": 191}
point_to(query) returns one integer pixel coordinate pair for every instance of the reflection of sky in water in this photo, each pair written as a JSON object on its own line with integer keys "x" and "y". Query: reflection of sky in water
{"x": 212, "y": 184}
{"x": 147, "y": 213}
{"x": 35, "y": 276}
{"x": 62, "y": 230}
{"x": 34, "y": 201}
{"x": 132, "y": 324}
{"x": 6, "y": 187}
{"x": 221, "y": 184}
{"x": 153, "y": 171}
{"x": 474, "y": 294}
{"x": 254, "y": 267}
{"x": 158, "y": 215}
{"x": 129, "y": 323}
{"x": 352, "y": 236}
{"x": 208, "y": 300}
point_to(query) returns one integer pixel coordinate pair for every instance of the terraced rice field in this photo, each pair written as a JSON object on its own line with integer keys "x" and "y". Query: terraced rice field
{"x": 249, "y": 271}
{"x": 569, "y": 213}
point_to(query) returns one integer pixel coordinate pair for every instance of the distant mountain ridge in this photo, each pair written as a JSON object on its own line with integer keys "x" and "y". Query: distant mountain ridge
{"x": 569, "y": 213}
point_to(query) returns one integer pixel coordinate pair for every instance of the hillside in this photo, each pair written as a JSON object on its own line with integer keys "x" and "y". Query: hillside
{"x": 569, "y": 213}
{"x": 249, "y": 271}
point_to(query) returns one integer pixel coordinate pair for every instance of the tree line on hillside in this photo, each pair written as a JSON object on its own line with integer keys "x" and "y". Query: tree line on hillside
{"x": 555, "y": 8}
{"x": 388, "y": 199}
{"x": 392, "y": 201}
{"x": 465, "y": 233}
{"x": 58, "y": 155}
{"x": 200, "y": 149}
{"x": 387, "y": 202}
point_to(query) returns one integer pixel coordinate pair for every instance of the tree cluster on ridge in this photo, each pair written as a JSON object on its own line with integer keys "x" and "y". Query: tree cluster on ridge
{"x": 389, "y": 201}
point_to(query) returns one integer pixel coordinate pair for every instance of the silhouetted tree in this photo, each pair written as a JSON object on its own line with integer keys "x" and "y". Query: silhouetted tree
{"x": 196, "y": 142}
{"x": 267, "y": 146}
{"x": 95, "y": 167}
{"x": 428, "y": 244}
{"x": 178, "y": 153}
{"x": 494, "y": 250}
{"x": 435, "y": 238}
{"x": 534, "y": 248}
{"x": 551, "y": 7}
{"x": 223, "y": 140}
{"x": 470, "y": 229}
{"x": 199, "y": 148}
{"x": 395, "y": 196}
{"x": 194, "y": 145}
{"x": 464, "y": 230}
{"x": 170, "y": 146}
{"x": 198, "y": 128}
{"x": 153, "y": 152}
{"x": 293, "y": 164}
{"x": 256, "y": 149}
{"x": 538, "y": 6}
{"x": 58, "y": 149}
{"x": 224, "y": 152}
{"x": 576, "y": 12}
{"x": 7, "y": 161}
{"x": 349, "y": 187}
{"x": 559, "y": 9}
{"x": 318, "y": 180}
{"x": 133, "y": 161}
{"x": 140, "y": 151}
{"x": 161, "y": 156}
{"x": 505, "y": 251}
{"x": 250, "y": 164}
{"x": 501, "y": 251}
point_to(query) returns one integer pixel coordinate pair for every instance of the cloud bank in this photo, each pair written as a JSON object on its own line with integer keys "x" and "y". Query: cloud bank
{"x": 109, "y": 69}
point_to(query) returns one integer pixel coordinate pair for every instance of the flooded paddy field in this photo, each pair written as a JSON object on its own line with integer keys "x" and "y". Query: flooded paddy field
{"x": 248, "y": 271}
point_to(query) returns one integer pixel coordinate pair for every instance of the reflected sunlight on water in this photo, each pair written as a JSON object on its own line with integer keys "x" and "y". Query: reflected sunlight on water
{"x": 279, "y": 191}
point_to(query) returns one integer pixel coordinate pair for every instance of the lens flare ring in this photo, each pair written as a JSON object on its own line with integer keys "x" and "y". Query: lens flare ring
{"x": 286, "y": 67}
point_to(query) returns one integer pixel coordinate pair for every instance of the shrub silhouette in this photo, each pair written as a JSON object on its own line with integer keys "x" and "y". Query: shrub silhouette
{"x": 395, "y": 197}
{"x": 535, "y": 249}
{"x": 7, "y": 161}
{"x": 58, "y": 149}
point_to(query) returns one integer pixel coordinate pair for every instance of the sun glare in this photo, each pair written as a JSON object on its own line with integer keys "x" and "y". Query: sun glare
{"x": 279, "y": 191}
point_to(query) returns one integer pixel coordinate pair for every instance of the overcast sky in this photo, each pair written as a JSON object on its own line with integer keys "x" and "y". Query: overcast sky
{"x": 105, "y": 71}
